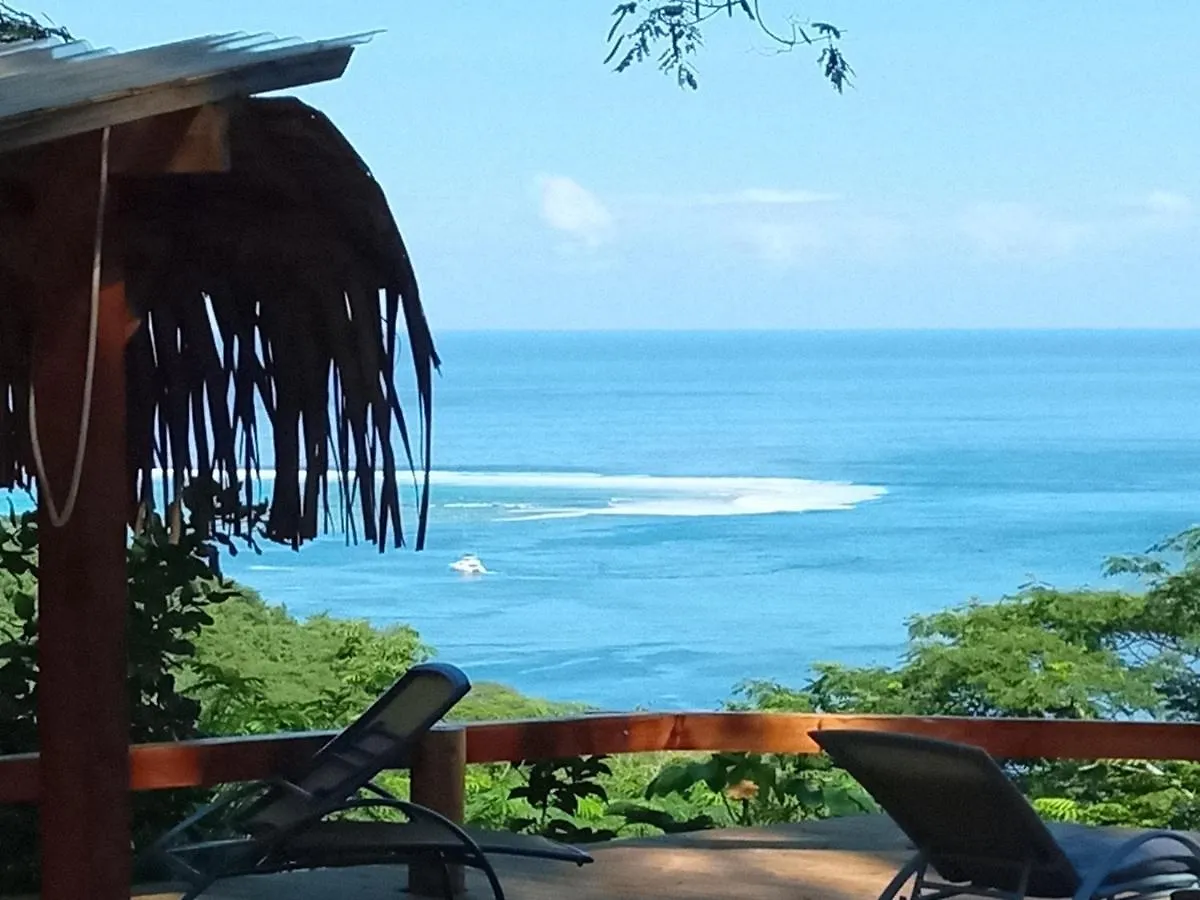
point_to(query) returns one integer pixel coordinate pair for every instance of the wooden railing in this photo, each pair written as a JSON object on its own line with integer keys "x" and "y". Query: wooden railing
{"x": 209, "y": 762}
{"x": 439, "y": 763}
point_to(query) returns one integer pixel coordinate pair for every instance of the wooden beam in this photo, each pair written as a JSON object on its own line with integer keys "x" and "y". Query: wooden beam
{"x": 214, "y": 761}
{"x": 439, "y": 782}
{"x": 184, "y": 142}
{"x": 200, "y": 763}
{"x": 83, "y": 704}
{"x": 788, "y": 733}
{"x": 48, "y": 238}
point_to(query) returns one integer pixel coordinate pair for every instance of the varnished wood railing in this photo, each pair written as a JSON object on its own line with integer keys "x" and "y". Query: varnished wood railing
{"x": 204, "y": 763}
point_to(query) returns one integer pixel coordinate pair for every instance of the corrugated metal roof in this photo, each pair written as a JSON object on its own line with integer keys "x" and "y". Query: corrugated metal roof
{"x": 51, "y": 90}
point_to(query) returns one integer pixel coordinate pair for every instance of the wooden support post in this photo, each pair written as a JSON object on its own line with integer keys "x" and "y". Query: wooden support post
{"x": 83, "y": 705}
{"x": 439, "y": 781}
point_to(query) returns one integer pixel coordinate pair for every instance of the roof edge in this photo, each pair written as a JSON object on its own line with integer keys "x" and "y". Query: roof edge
{"x": 263, "y": 64}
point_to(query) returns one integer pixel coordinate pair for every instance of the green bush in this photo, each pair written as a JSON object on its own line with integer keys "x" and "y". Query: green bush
{"x": 1049, "y": 653}
{"x": 257, "y": 669}
{"x": 208, "y": 656}
{"x": 172, "y": 586}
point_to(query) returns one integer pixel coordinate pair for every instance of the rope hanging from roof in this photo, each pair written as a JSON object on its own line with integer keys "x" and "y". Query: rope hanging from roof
{"x": 46, "y": 491}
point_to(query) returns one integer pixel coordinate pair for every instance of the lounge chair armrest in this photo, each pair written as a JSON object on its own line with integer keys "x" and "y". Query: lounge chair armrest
{"x": 1096, "y": 877}
{"x": 225, "y": 799}
{"x": 161, "y": 850}
{"x": 292, "y": 788}
{"x": 410, "y": 809}
{"x": 372, "y": 788}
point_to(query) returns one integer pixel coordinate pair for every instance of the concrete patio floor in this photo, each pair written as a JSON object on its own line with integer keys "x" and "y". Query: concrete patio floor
{"x": 838, "y": 859}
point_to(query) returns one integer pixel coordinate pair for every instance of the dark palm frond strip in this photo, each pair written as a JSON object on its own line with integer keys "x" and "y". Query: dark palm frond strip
{"x": 16, "y": 347}
{"x": 274, "y": 290}
{"x": 307, "y": 278}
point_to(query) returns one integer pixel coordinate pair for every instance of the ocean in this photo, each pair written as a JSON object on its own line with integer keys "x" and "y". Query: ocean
{"x": 665, "y": 515}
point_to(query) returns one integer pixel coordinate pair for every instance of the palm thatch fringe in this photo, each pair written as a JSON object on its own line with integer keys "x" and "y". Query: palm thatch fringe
{"x": 277, "y": 289}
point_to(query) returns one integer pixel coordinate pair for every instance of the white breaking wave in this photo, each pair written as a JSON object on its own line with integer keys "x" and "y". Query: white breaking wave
{"x": 678, "y": 496}
{"x": 592, "y": 494}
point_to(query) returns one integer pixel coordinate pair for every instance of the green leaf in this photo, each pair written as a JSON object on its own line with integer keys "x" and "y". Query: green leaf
{"x": 520, "y": 825}
{"x": 1058, "y": 809}
{"x": 638, "y": 814}
{"x": 714, "y": 773}
{"x": 589, "y": 789}
{"x": 676, "y": 778}
{"x": 25, "y": 606}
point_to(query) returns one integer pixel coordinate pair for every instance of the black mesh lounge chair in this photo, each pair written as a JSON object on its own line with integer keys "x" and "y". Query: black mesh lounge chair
{"x": 284, "y": 824}
{"x": 974, "y": 829}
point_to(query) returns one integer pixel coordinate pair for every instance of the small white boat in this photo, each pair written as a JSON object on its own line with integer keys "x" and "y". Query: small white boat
{"x": 470, "y": 564}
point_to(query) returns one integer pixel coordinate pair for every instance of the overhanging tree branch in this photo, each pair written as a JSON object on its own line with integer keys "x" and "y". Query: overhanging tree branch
{"x": 21, "y": 26}
{"x": 671, "y": 35}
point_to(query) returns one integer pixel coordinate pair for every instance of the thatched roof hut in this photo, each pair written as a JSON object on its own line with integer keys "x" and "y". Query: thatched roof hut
{"x": 177, "y": 257}
{"x": 280, "y": 286}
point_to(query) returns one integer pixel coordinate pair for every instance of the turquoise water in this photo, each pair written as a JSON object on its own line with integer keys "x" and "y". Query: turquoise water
{"x": 665, "y": 515}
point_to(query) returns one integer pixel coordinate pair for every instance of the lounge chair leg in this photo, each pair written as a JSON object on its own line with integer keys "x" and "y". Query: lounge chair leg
{"x": 421, "y": 885}
{"x": 493, "y": 879}
{"x": 198, "y": 889}
{"x": 1023, "y": 884}
{"x": 914, "y": 866}
{"x": 436, "y": 879}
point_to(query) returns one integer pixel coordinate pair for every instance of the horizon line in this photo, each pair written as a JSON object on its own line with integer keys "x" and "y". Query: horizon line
{"x": 910, "y": 329}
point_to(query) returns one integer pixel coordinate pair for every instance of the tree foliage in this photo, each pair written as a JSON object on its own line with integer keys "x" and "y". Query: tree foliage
{"x": 212, "y": 657}
{"x": 207, "y": 656}
{"x": 667, "y": 34}
{"x": 670, "y": 35}
{"x": 258, "y": 670}
{"x": 172, "y": 587}
{"x": 1044, "y": 652}
{"x": 1049, "y": 653}
{"x": 16, "y": 25}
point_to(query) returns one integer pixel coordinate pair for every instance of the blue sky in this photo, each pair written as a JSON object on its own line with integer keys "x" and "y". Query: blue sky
{"x": 997, "y": 165}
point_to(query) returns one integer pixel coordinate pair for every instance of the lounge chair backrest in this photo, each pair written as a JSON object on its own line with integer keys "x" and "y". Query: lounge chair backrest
{"x": 381, "y": 738}
{"x": 957, "y": 806}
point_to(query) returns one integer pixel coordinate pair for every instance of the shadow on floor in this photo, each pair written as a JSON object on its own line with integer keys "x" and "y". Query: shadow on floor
{"x": 839, "y": 859}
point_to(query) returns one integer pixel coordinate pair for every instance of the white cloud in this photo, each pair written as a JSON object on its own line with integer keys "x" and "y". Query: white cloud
{"x": 569, "y": 207}
{"x": 763, "y": 197}
{"x": 782, "y": 243}
{"x": 1015, "y": 230}
{"x": 793, "y": 226}
{"x": 745, "y": 197}
{"x": 803, "y": 240}
{"x": 1024, "y": 230}
{"x": 776, "y": 225}
{"x": 1167, "y": 207}
{"x": 878, "y": 237}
